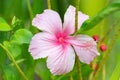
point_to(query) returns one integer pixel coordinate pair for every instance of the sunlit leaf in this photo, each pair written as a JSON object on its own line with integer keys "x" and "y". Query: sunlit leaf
{"x": 22, "y": 36}
{"x": 3, "y": 25}
{"x": 90, "y": 23}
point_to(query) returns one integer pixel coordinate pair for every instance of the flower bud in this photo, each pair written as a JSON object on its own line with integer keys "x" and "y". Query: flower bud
{"x": 96, "y": 38}
{"x": 96, "y": 67}
{"x": 103, "y": 47}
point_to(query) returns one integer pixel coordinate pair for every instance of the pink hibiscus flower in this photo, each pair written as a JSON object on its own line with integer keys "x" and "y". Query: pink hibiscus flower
{"x": 55, "y": 42}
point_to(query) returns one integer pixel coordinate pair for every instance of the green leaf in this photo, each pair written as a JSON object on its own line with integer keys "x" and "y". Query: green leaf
{"x": 116, "y": 72}
{"x": 3, "y": 25}
{"x": 13, "y": 48}
{"x": 62, "y": 7}
{"x": 54, "y": 5}
{"x": 42, "y": 70}
{"x": 28, "y": 63}
{"x": 86, "y": 70}
{"x": 38, "y": 7}
{"x": 18, "y": 62}
{"x": 22, "y": 36}
{"x": 9, "y": 73}
{"x": 2, "y": 56}
{"x": 90, "y": 23}
{"x": 17, "y": 23}
{"x": 71, "y": 2}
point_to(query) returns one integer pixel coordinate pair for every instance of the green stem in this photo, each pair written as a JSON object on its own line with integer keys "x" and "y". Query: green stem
{"x": 78, "y": 68}
{"x": 49, "y": 4}
{"x": 30, "y": 9}
{"x": 13, "y": 60}
{"x": 106, "y": 56}
{"x": 49, "y": 7}
{"x": 76, "y": 28}
{"x": 76, "y": 15}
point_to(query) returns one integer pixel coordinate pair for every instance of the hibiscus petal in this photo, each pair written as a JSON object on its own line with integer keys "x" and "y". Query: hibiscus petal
{"x": 61, "y": 61}
{"x": 48, "y": 21}
{"x": 85, "y": 47}
{"x": 69, "y": 20}
{"x": 42, "y": 45}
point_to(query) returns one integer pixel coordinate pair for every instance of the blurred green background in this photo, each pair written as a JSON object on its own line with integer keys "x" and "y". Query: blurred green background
{"x": 25, "y": 10}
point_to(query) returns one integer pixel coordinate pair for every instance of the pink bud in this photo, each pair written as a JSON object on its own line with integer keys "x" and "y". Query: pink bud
{"x": 103, "y": 47}
{"x": 96, "y": 38}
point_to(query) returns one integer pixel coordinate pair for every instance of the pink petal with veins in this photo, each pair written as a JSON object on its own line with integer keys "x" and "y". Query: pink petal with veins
{"x": 69, "y": 20}
{"x": 61, "y": 61}
{"x": 48, "y": 21}
{"x": 42, "y": 45}
{"x": 85, "y": 47}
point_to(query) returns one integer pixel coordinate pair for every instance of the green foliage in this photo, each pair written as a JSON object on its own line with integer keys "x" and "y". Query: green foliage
{"x": 54, "y": 5}
{"x": 116, "y": 73}
{"x": 13, "y": 48}
{"x": 10, "y": 73}
{"x": 29, "y": 63}
{"x": 90, "y": 23}
{"x": 2, "y": 57}
{"x": 21, "y": 36}
{"x": 38, "y": 6}
{"x": 42, "y": 70}
{"x": 86, "y": 70}
{"x": 62, "y": 6}
{"x": 3, "y": 25}
{"x": 17, "y": 23}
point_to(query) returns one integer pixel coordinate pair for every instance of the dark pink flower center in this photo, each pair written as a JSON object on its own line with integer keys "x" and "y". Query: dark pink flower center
{"x": 61, "y": 39}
